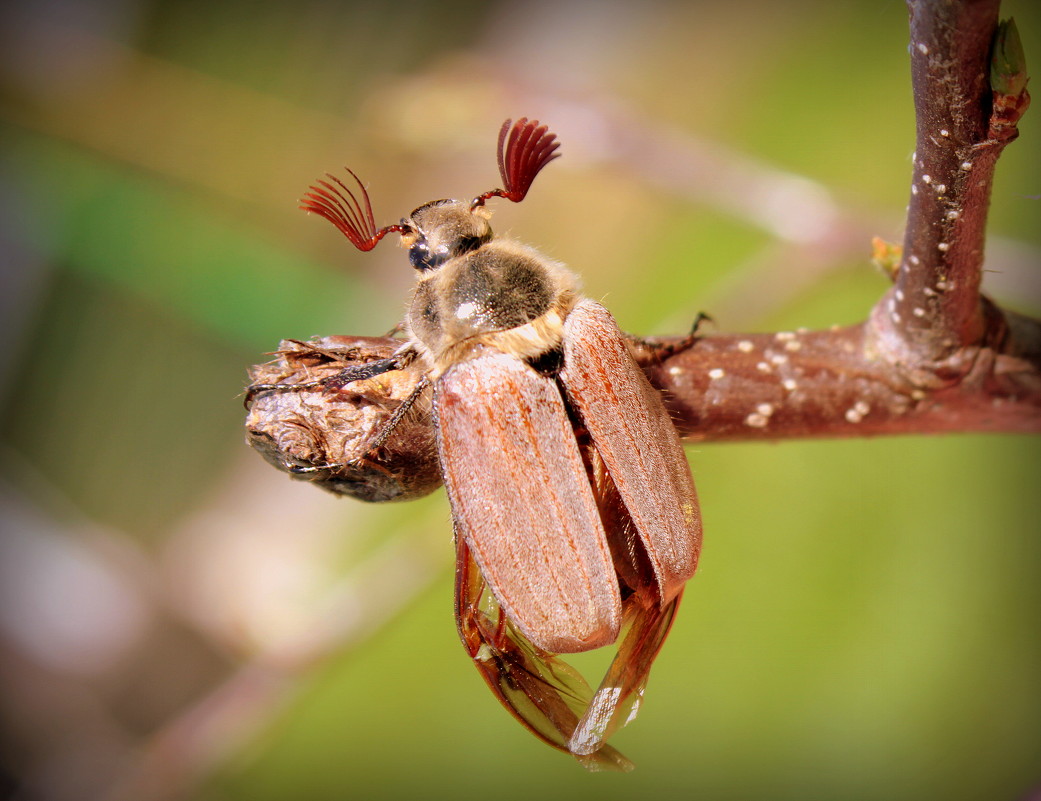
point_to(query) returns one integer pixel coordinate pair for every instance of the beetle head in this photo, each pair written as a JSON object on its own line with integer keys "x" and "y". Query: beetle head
{"x": 441, "y": 229}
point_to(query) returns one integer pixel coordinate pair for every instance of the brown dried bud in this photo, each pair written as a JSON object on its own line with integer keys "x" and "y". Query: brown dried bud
{"x": 324, "y": 435}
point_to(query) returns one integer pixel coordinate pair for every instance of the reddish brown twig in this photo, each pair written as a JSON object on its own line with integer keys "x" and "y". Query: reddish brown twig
{"x": 934, "y": 355}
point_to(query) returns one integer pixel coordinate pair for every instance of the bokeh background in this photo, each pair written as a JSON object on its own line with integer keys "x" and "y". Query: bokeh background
{"x": 179, "y": 620}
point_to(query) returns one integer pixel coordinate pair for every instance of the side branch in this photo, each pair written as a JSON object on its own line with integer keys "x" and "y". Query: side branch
{"x": 935, "y": 308}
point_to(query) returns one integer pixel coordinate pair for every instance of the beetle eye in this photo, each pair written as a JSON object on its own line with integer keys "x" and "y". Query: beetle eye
{"x": 422, "y": 258}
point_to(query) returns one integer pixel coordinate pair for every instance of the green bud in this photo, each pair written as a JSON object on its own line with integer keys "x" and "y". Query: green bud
{"x": 1008, "y": 64}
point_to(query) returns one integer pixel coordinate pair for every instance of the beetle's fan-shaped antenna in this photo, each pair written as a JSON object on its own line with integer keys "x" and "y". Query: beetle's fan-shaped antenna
{"x": 529, "y": 148}
{"x": 338, "y": 205}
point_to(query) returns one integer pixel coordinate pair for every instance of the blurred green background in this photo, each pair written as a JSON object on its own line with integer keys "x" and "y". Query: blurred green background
{"x": 178, "y": 620}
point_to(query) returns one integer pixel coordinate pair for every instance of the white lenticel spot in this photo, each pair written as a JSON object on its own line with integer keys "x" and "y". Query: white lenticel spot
{"x": 917, "y": 394}
{"x": 899, "y": 296}
{"x": 745, "y": 346}
{"x": 716, "y": 373}
{"x": 944, "y": 132}
{"x": 765, "y": 409}
{"x": 862, "y": 407}
{"x": 953, "y": 214}
{"x": 940, "y": 188}
{"x": 966, "y": 165}
{"x": 853, "y": 416}
{"x": 927, "y": 179}
{"x": 784, "y": 336}
{"x": 914, "y": 189}
{"x": 756, "y": 420}
{"x": 778, "y": 358}
{"x": 762, "y": 367}
{"x": 923, "y": 49}
{"x": 914, "y": 259}
{"x": 674, "y": 370}
{"x": 793, "y": 346}
{"x": 918, "y": 311}
{"x": 943, "y": 247}
{"x": 789, "y": 384}
{"x": 929, "y": 292}
{"x": 897, "y": 318}
{"x": 942, "y": 286}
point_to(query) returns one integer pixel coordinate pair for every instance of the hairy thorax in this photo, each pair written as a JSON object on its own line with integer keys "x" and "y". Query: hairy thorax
{"x": 502, "y": 295}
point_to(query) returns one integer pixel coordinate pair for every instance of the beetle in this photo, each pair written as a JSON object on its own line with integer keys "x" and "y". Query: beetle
{"x": 575, "y": 514}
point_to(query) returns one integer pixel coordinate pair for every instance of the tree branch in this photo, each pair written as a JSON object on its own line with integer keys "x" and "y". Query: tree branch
{"x": 934, "y": 354}
{"x": 935, "y": 309}
{"x": 836, "y": 383}
{"x": 936, "y": 302}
